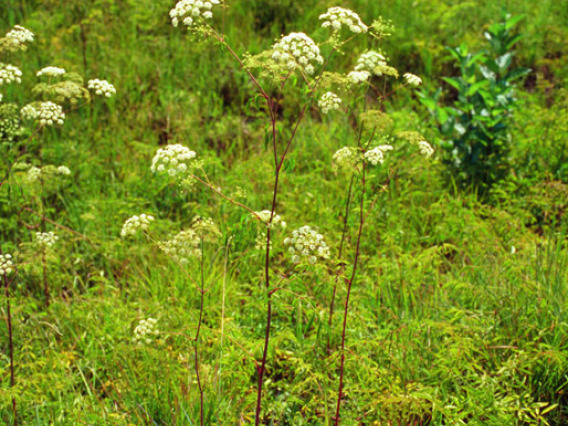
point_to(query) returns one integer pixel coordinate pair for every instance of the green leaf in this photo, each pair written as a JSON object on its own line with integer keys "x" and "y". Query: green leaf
{"x": 455, "y": 82}
{"x": 474, "y": 88}
{"x": 511, "y": 22}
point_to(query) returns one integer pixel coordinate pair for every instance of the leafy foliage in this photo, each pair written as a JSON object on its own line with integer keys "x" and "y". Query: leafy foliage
{"x": 476, "y": 124}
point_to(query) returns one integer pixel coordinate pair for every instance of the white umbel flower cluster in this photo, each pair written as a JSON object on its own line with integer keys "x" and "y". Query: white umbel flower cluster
{"x": 357, "y": 77}
{"x": 264, "y": 216}
{"x": 183, "y": 246}
{"x": 101, "y": 87}
{"x": 1, "y": 96}
{"x": 329, "y": 101}
{"x": 145, "y": 331}
{"x": 377, "y": 155}
{"x": 51, "y": 72}
{"x": 28, "y": 112}
{"x": 307, "y": 244}
{"x": 135, "y": 224}
{"x": 346, "y": 159}
{"x": 46, "y": 239}
{"x": 20, "y": 35}
{"x": 260, "y": 242}
{"x": 412, "y": 80}
{"x": 35, "y": 173}
{"x": 371, "y": 62}
{"x": 336, "y": 17}
{"x": 63, "y": 170}
{"x": 173, "y": 160}
{"x": 6, "y": 265}
{"x": 49, "y": 114}
{"x": 425, "y": 149}
{"x": 205, "y": 228}
{"x": 188, "y": 12}
{"x": 297, "y": 50}
{"x": 9, "y": 74}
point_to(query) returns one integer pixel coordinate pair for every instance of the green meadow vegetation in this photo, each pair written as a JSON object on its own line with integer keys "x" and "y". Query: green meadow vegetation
{"x": 194, "y": 230}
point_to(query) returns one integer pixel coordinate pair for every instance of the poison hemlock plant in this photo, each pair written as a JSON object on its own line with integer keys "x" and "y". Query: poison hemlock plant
{"x": 476, "y": 124}
{"x": 21, "y": 137}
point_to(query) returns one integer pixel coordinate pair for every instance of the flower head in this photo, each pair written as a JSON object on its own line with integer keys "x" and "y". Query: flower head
{"x": 377, "y": 155}
{"x": 145, "y": 331}
{"x": 135, "y": 224}
{"x": 205, "y": 229}
{"x": 49, "y": 114}
{"x": 6, "y": 265}
{"x": 190, "y": 12}
{"x": 101, "y": 87}
{"x": 47, "y": 173}
{"x": 297, "y": 50}
{"x": 336, "y": 17}
{"x": 372, "y": 62}
{"x": 260, "y": 242}
{"x": 357, "y": 77}
{"x": 51, "y": 72}
{"x": 329, "y": 101}
{"x": 306, "y": 244}
{"x": 9, "y": 74}
{"x": 265, "y": 216}
{"x": 28, "y": 112}
{"x": 173, "y": 160}
{"x": 19, "y": 36}
{"x": 425, "y": 149}
{"x": 346, "y": 159}
{"x": 412, "y": 80}
{"x": 46, "y": 239}
{"x": 183, "y": 246}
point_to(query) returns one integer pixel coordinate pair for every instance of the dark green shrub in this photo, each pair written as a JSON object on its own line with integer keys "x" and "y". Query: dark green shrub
{"x": 474, "y": 118}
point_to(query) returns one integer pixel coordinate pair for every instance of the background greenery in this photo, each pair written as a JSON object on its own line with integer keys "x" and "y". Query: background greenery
{"x": 458, "y": 315}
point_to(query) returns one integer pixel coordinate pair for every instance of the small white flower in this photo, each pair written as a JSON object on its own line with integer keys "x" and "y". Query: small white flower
{"x": 145, "y": 331}
{"x": 50, "y": 114}
{"x": 63, "y": 170}
{"x": 346, "y": 159}
{"x": 425, "y": 149}
{"x": 297, "y": 50}
{"x": 6, "y": 264}
{"x": 260, "y": 242}
{"x": 29, "y": 112}
{"x": 9, "y": 74}
{"x": 173, "y": 160}
{"x": 377, "y": 155}
{"x": 336, "y": 17}
{"x": 412, "y": 80}
{"x": 329, "y": 101}
{"x": 182, "y": 246}
{"x": 46, "y": 239}
{"x": 20, "y": 36}
{"x": 101, "y": 88}
{"x": 305, "y": 243}
{"x": 205, "y": 229}
{"x": 265, "y": 215}
{"x": 34, "y": 174}
{"x": 135, "y": 224}
{"x": 372, "y": 62}
{"x": 189, "y": 12}
{"x": 356, "y": 77}
{"x": 51, "y": 72}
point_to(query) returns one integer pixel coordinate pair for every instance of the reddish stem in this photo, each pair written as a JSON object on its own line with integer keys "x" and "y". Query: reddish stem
{"x": 349, "y": 286}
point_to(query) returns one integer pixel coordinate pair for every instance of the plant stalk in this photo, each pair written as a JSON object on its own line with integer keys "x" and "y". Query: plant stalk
{"x": 349, "y": 286}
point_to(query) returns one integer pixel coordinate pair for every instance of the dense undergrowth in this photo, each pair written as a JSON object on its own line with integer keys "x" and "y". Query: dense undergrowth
{"x": 458, "y": 314}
